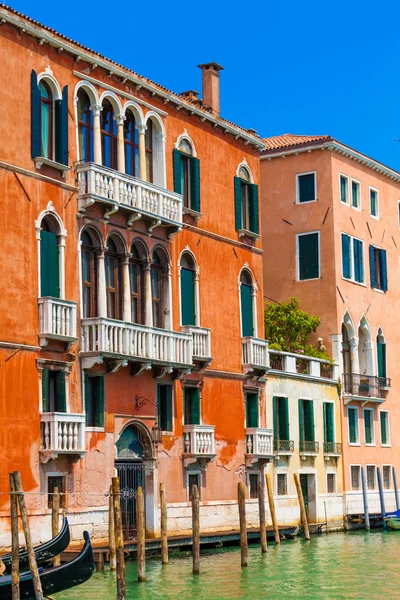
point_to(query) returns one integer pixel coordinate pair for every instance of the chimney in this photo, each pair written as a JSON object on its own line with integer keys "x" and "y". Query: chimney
{"x": 192, "y": 96}
{"x": 211, "y": 85}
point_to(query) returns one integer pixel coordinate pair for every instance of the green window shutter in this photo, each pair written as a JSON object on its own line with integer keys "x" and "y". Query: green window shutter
{"x": 176, "y": 158}
{"x": 98, "y": 393}
{"x": 368, "y": 426}
{"x": 251, "y": 410}
{"x": 343, "y": 189}
{"x": 61, "y": 395}
{"x": 283, "y": 419}
{"x": 49, "y": 264}
{"x": 325, "y": 421}
{"x": 372, "y": 266}
{"x": 308, "y": 256}
{"x": 301, "y": 421}
{"x": 329, "y": 434}
{"x": 354, "y": 193}
{"x": 346, "y": 268}
{"x": 309, "y": 420}
{"x": 352, "y": 414}
{"x": 187, "y": 297}
{"x": 195, "y": 406}
{"x": 169, "y": 408}
{"x": 237, "y": 182}
{"x": 253, "y": 198}
{"x": 383, "y": 419}
{"x": 246, "y": 302}
{"x": 383, "y": 266}
{"x": 61, "y": 127}
{"x": 88, "y": 402}
{"x": 45, "y": 390}
{"x": 381, "y": 350}
{"x": 358, "y": 261}
{"x": 35, "y": 116}
{"x": 195, "y": 191}
{"x": 372, "y": 195}
{"x": 159, "y": 404}
{"x": 276, "y": 424}
{"x": 306, "y": 185}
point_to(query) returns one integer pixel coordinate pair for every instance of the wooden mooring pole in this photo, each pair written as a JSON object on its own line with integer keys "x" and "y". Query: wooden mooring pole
{"x": 365, "y": 498}
{"x": 244, "y": 552}
{"x": 261, "y": 511}
{"x": 119, "y": 540}
{"x": 164, "y": 538}
{"x": 272, "y": 508}
{"x": 14, "y": 541}
{"x": 111, "y": 532}
{"x": 396, "y": 489}
{"x": 37, "y": 585}
{"x": 55, "y": 515}
{"x": 196, "y": 529}
{"x": 303, "y": 513}
{"x": 381, "y": 495}
{"x": 140, "y": 542}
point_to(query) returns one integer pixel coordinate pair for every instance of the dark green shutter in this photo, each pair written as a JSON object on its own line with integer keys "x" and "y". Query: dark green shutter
{"x": 346, "y": 271}
{"x": 328, "y": 422}
{"x": 309, "y": 430}
{"x": 168, "y": 407}
{"x": 251, "y": 410}
{"x": 283, "y": 419}
{"x": 195, "y": 191}
{"x": 383, "y": 266}
{"x": 61, "y": 128}
{"x": 358, "y": 261}
{"x": 276, "y": 424}
{"x": 301, "y": 421}
{"x": 61, "y": 397}
{"x": 383, "y": 417}
{"x": 176, "y": 158}
{"x": 159, "y": 411}
{"x": 308, "y": 256}
{"x": 246, "y": 302}
{"x": 351, "y": 412}
{"x": 35, "y": 117}
{"x": 195, "y": 406}
{"x": 49, "y": 265}
{"x": 367, "y": 426}
{"x": 45, "y": 390}
{"x": 381, "y": 349}
{"x": 187, "y": 297}
{"x": 237, "y": 182}
{"x": 253, "y": 199}
{"x": 88, "y": 402}
{"x": 372, "y": 266}
{"x": 306, "y": 187}
{"x": 98, "y": 401}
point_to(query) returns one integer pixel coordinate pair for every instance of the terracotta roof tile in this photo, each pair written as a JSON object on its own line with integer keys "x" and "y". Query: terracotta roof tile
{"x": 287, "y": 140}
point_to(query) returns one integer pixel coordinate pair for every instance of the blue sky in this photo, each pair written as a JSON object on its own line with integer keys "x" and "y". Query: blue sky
{"x": 311, "y": 67}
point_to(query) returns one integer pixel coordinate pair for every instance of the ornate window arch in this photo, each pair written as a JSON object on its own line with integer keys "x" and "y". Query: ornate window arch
{"x": 49, "y": 92}
{"x": 381, "y": 355}
{"x": 133, "y": 124}
{"x": 365, "y": 348}
{"x": 244, "y": 172}
{"x": 136, "y": 446}
{"x": 248, "y": 302}
{"x": 51, "y": 235}
{"x": 138, "y": 259}
{"x": 155, "y": 139}
{"x": 161, "y": 287}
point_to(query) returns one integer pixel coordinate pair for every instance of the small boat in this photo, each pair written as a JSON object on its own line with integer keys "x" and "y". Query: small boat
{"x": 392, "y": 522}
{"x": 56, "y": 579}
{"x": 44, "y": 552}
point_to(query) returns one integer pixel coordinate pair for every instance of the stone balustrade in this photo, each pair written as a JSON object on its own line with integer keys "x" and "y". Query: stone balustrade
{"x": 198, "y": 440}
{"x": 57, "y": 319}
{"x": 259, "y": 441}
{"x": 201, "y": 342}
{"x": 62, "y": 433}
{"x": 255, "y": 353}
{"x": 300, "y": 365}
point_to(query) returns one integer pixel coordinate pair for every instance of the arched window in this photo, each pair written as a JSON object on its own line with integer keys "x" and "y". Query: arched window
{"x": 131, "y": 141}
{"x": 49, "y": 258}
{"x": 346, "y": 351}
{"x": 186, "y": 150}
{"x": 130, "y": 446}
{"x": 365, "y": 354}
{"x": 89, "y": 276}
{"x": 46, "y": 121}
{"x": 148, "y": 138}
{"x": 381, "y": 354}
{"x": 109, "y": 135}
{"x": 245, "y": 189}
{"x": 188, "y": 273}
{"x": 136, "y": 281}
{"x": 85, "y": 127}
{"x": 156, "y": 289}
{"x": 246, "y": 303}
{"x": 113, "y": 281}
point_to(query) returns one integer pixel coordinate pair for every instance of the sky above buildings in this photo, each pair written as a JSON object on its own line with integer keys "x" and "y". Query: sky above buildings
{"x": 309, "y": 67}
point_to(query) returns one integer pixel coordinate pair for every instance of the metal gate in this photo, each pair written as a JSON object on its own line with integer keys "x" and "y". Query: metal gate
{"x": 131, "y": 476}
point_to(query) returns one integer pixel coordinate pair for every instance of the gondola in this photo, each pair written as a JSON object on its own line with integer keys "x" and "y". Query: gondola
{"x": 44, "y": 552}
{"x": 392, "y": 520}
{"x": 56, "y": 579}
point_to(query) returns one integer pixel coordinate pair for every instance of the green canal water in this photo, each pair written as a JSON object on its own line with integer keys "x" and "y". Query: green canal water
{"x": 339, "y": 565}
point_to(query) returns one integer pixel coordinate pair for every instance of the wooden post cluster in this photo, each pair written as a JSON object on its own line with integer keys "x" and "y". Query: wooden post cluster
{"x": 272, "y": 508}
{"x": 164, "y": 538}
{"x": 14, "y": 541}
{"x": 243, "y": 526}
{"x": 119, "y": 540}
{"x": 196, "y": 529}
{"x": 140, "y": 542}
{"x": 55, "y": 515}
{"x": 111, "y": 533}
{"x": 261, "y": 510}
{"x": 302, "y": 507}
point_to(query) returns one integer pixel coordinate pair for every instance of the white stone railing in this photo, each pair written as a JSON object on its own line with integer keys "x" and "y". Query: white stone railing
{"x": 255, "y": 352}
{"x": 101, "y": 183}
{"x": 201, "y": 338}
{"x": 259, "y": 441}
{"x": 62, "y": 432}
{"x": 302, "y": 365}
{"x": 57, "y": 318}
{"x": 140, "y": 341}
{"x": 199, "y": 439}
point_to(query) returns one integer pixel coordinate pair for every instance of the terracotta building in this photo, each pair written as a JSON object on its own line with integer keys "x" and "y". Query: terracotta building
{"x": 131, "y": 309}
{"x": 331, "y": 237}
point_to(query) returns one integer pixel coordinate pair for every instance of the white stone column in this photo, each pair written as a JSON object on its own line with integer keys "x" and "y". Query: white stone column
{"x": 96, "y": 110}
{"x": 196, "y": 298}
{"x": 61, "y": 261}
{"x": 153, "y": 513}
{"x": 148, "y": 304}
{"x": 126, "y": 291}
{"x": 120, "y": 143}
{"x": 166, "y": 299}
{"x": 336, "y": 341}
{"x": 369, "y": 357}
{"x": 101, "y": 287}
{"x": 142, "y": 152}
{"x": 159, "y": 167}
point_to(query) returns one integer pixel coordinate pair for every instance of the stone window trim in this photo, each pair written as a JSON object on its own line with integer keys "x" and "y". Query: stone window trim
{"x": 54, "y": 365}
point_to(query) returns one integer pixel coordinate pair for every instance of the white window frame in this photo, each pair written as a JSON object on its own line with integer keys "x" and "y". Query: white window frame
{"x": 371, "y": 188}
{"x": 391, "y": 487}
{"x": 371, "y": 410}
{"x": 326, "y": 482}
{"x": 298, "y": 187}
{"x": 398, "y": 213}
{"x": 94, "y": 374}
{"x": 358, "y": 207}
{"x": 359, "y": 478}
{"x": 347, "y": 202}
{"x": 357, "y": 443}
{"x": 388, "y": 445}
{"x": 366, "y": 477}
{"x": 282, "y": 471}
{"x": 298, "y": 235}
{"x": 352, "y": 238}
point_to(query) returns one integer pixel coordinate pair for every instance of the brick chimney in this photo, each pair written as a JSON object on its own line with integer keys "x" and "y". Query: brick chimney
{"x": 211, "y": 85}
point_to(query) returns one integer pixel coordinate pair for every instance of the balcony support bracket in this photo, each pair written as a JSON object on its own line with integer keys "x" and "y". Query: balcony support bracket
{"x": 113, "y": 209}
{"x": 180, "y": 373}
{"x": 154, "y": 223}
{"x": 115, "y": 365}
{"x": 48, "y": 455}
{"x": 89, "y": 361}
{"x": 193, "y": 461}
{"x": 257, "y": 462}
{"x": 139, "y": 368}
{"x": 135, "y": 217}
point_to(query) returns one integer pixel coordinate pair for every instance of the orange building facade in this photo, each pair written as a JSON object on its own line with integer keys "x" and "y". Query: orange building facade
{"x": 131, "y": 318}
{"x": 331, "y": 238}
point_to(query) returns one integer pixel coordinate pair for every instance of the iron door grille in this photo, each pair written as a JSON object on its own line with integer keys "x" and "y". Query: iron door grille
{"x": 131, "y": 476}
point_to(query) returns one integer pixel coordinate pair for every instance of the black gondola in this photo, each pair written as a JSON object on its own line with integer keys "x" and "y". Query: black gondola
{"x": 57, "y": 579}
{"x": 44, "y": 552}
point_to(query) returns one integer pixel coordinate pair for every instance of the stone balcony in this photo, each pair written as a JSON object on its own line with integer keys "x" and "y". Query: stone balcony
{"x": 199, "y": 445}
{"x": 308, "y": 448}
{"x": 259, "y": 446}
{"x": 201, "y": 344}
{"x": 120, "y": 343}
{"x": 332, "y": 450}
{"x": 283, "y": 448}
{"x": 61, "y": 434}
{"x": 365, "y": 388}
{"x": 305, "y": 367}
{"x": 137, "y": 198}
{"x": 255, "y": 357}
{"x": 57, "y": 320}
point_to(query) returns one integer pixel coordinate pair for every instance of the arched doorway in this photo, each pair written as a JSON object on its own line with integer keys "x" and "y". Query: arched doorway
{"x": 133, "y": 447}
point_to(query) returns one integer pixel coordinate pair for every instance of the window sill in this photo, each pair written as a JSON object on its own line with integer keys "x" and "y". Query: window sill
{"x": 379, "y": 291}
{"x": 371, "y": 445}
{"x": 299, "y": 203}
{"x": 311, "y": 279}
{"x": 386, "y": 445}
{"x": 247, "y": 233}
{"x": 193, "y": 213}
{"x": 95, "y": 429}
{"x": 354, "y": 444}
{"x": 353, "y": 281}
{"x": 41, "y": 161}
{"x": 373, "y": 217}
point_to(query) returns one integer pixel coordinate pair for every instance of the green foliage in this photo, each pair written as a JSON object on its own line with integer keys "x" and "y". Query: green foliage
{"x": 288, "y": 328}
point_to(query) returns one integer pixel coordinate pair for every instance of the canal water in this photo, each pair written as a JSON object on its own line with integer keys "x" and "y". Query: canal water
{"x": 339, "y": 565}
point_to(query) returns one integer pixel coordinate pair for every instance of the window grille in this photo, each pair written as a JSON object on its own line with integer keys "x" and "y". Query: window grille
{"x": 387, "y": 477}
{"x": 53, "y": 482}
{"x": 371, "y": 477}
{"x": 253, "y": 484}
{"x": 355, "y": 478}
{"x": 330, "y": 483}
{"x": 282, "y": 484}
{"x": 194, "y": 479}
